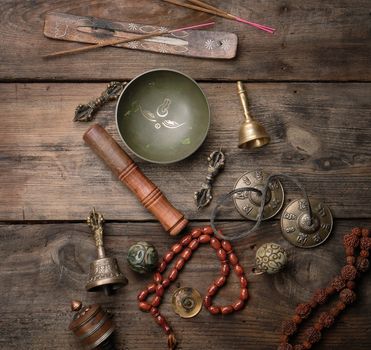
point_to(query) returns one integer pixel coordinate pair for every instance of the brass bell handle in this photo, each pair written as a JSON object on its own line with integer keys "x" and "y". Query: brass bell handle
{"x": 243, "y": 97}
{"x": 95, "y": 221}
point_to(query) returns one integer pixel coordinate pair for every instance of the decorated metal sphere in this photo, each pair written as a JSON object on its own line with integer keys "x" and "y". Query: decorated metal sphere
{"x": 142, "y": 257}
{"x": 270, "y": 258}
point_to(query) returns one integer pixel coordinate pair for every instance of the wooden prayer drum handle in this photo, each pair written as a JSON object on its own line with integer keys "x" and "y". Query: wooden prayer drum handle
{"x": 129, "y": 174}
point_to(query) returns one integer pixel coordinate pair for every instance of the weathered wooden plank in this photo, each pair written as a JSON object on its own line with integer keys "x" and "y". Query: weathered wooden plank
{"x": 320, "y": 133}
{"x": 315, "y": 40}
{"x": 43, "y": 267}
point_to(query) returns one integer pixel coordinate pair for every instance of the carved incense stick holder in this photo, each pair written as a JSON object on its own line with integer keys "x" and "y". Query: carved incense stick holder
{"x": 129, "y": 174}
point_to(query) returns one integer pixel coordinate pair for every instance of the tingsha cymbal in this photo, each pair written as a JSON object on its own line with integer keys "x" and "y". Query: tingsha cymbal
{"x": 186, "y": 302}
{"x": 248, "y": 203}
{"x": 301, "y": 230}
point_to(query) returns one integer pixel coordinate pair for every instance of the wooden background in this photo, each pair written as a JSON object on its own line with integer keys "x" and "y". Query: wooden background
{"x": 309, "y": 85}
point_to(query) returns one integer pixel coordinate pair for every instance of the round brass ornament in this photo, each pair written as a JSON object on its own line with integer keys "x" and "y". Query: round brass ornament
{"x": 186, "y": 302}
{"x": 248, "y": 203}
{"x": 270, "y": 258}
{"x": 302, "y": 232}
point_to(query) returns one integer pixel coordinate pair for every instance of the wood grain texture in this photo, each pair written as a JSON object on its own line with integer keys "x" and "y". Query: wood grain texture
{"x": 43, "y": 267}
{"x": 320, "y": 133}
{"x": 315, "y": 40}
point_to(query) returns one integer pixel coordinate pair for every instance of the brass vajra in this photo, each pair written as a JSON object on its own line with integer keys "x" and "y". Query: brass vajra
{"x": 95, "y": 221}
{"x": 85, "y": 113}
{"x": 216, "y": 162}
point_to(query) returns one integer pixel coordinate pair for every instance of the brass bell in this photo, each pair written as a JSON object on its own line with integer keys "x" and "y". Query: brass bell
{"x": 92, "y": 326}
{"x": 252, "y": 134}
{"x": 104, "y": 272}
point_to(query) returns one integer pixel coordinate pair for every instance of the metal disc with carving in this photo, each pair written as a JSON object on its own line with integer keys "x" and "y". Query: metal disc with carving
{"x": 248, "y": 203}
{"x": 302, "y": 232}
{"x": 186, "y": 302}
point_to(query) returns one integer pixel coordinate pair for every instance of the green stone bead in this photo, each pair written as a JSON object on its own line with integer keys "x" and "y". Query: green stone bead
{"x": 142, "y": 257}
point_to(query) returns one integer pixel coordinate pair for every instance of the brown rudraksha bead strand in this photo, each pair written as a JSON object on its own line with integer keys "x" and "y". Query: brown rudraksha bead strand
{"x": 343, "y": 285}
{"x": 185, "y": 248}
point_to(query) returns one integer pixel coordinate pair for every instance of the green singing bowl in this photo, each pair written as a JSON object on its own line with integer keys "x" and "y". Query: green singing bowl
{"x": 162, "y": 116}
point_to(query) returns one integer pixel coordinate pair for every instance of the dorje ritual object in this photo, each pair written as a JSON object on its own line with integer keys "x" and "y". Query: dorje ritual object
{"x": 129, "y": 174}
{"x": 138, "y": 38}
{"x": 142, "y": 257}
{"x": 216, "y": 163}
{"x": 270, "y": 258}
{"x": 252, "y": 134}
{"x": 204, "y": 7}
{"x": 192, "y": 43}
{"x": 186, "y": 246}
{"x": 342, "y": 285}
{"x": 104, "y": 272}
{"x": 316, "y": 221}
{"x": 186, "y": 302}
{"x": 302, "y": 230}
{"x": 85, "y": 113}
{"x": 248, "y": 203}
{"x": 92, "y": 326}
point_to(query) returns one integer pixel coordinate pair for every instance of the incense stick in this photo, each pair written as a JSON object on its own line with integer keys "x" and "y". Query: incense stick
{"x": 204, "y": 7}
{"x": 239, "y": 19}
{"x": 123, "y": 41}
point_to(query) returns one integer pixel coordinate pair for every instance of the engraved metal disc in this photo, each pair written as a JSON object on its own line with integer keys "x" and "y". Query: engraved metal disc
{"x": 297, "y": 228}
{"x": 248, "y": 203}
{"x": 186, "y": 302}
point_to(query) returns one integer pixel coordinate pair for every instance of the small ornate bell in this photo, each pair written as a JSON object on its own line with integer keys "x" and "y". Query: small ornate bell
{"x": 270, "y": 258}
{"x": 252, "y": 134}
{"x": 104, "y": 272}
{"x": 186, "y": 302}
{"x": 142, "y": 257}
{"x": 92, "y": 326}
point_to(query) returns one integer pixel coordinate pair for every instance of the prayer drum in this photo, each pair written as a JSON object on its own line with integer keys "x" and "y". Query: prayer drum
{"x": 92, "y": 326}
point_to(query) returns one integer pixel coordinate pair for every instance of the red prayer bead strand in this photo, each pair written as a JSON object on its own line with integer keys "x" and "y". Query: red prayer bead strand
{"x": 343, "y": 285}
{"x": 186, "y": 246}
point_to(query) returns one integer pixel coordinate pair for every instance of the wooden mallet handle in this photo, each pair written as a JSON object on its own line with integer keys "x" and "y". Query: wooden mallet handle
{"x": 129, "y": 174}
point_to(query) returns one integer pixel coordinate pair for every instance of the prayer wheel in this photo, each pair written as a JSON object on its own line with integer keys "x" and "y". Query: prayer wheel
{"x": 92, "y": 326}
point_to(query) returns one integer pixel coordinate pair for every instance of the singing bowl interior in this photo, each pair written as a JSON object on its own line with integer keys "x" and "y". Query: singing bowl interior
{"x": 163, "y": 116}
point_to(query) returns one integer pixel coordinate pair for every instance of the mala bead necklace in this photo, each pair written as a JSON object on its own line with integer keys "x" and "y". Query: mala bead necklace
{"x": 343, "y": 284}
{"x": 185, "y": 248}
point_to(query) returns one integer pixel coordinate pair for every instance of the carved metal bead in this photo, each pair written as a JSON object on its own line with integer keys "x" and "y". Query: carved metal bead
{"x": 142, "y": 257}
{"x": 270, "y": 258}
